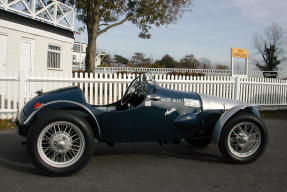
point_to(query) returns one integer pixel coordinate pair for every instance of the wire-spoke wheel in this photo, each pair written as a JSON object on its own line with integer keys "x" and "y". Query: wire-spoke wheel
{"x": 61, "y": 144}
{"x": 243, "y": 138}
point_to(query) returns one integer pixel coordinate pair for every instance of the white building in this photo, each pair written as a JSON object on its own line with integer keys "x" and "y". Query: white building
{"x": 79, "y": 56}
{"x": 36, "y": 36}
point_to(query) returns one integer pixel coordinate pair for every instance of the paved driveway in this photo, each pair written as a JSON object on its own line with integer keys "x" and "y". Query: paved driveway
{"x": 149, "y": 167}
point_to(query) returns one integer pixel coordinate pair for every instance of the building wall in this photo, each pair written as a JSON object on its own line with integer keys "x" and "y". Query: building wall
{"x": 77, "y": 55}
{"x": 76, "y": 61}
{"x": 16, "y": 32}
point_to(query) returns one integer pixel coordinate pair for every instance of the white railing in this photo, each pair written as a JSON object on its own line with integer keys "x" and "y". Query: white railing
{"x": 52, "y": 12}
{"x": 162, "y": 70}
{"x": 104, "y": 88}
{"x": 208, "y": 72}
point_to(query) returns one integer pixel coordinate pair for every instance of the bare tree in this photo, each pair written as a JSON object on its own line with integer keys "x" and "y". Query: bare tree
{"x": 221, "y": 66}
{"x": 204, "y": 63}
{"x": 269, "y": 48}
{"x": 139, "y": 59}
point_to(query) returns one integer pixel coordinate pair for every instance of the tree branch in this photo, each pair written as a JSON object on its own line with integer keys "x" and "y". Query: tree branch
{"x": 116, "y": 24}
{"x": 124, "y": 20}
{"x": 103, "y": 24}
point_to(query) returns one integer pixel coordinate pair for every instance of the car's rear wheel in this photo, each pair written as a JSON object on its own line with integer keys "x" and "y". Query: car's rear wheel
{"x": 243, "y": 139}
{"x": 60, "y": 144}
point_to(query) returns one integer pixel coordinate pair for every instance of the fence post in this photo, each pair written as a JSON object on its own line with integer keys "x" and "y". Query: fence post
{"x": 22, "y": 78}
{"x": 237, "y": 88}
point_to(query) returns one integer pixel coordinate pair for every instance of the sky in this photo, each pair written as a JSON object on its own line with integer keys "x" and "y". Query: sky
{"x": 210, "y": 30}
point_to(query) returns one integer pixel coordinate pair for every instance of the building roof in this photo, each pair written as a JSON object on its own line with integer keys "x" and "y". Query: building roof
{"x": 12, "y": 17}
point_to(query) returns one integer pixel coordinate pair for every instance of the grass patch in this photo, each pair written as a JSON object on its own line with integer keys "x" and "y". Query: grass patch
{"x": 7, "y": 124}
{"x": 274, "y": 114}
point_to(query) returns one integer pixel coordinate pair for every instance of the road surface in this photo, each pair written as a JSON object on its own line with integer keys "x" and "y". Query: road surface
{"x": 149, "y": 167}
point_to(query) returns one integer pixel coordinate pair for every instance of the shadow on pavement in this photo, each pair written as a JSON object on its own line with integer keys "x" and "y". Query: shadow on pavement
{"x": 13, "y": 155}
{"x": 183, "y": 151}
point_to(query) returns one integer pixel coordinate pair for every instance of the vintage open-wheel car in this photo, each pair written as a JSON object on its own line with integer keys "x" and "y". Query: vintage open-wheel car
{"x": 61, "y": 128}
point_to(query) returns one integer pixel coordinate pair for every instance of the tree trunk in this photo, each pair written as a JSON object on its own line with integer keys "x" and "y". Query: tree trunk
{"x": 91, "y": 51}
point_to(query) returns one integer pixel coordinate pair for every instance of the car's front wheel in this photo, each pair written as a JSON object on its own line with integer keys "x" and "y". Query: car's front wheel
{"x": 243, "y": 139}
{"x": 60, "y": 144}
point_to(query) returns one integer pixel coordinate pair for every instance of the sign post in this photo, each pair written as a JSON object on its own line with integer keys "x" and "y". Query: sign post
{"x": 239, "y": 53}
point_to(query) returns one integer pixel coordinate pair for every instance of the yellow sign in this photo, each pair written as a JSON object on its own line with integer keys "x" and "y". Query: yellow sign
{"x": 240, "y": 53}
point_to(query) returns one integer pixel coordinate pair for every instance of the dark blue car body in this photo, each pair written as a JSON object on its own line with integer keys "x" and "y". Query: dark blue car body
{"x": 163, "y": 115}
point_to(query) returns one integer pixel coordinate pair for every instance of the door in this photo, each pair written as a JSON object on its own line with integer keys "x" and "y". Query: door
{"x": 27, "y": 60}
{"x": 3, "y": 52}
{"x": 27, "y": 63}
{"x": 142, "y": 123}
{"x": 3, "y": 67}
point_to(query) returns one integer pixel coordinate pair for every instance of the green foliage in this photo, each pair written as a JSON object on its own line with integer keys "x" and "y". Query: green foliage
{"x": 130, "y": 72}
{"x": 7, "y": 124}
{"x": 167, "y": 62}
{"x": 270, "y": 57}
{"x": 121, "y": 59}
{"x": 99, "y": 16}
{"x": 186, "y": 74}
{"x": 269, "y": 48}
{"x": 156, "y": 64}
{"x": 142, "y": 13}
{"x": 221, "y": 67}
{"x": 188, "y": 62}
{"x": 107, "y": 61}
{"x": 104, "y": 65}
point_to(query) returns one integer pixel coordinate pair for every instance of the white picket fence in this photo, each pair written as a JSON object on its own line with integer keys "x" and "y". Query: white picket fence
{"x": 208, "y": 72}
{"x": 16, "y": 88}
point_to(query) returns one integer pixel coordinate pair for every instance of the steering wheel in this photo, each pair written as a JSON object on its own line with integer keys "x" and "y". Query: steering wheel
{"x": 150, "y": 76}
{"x": 130, "y": 91}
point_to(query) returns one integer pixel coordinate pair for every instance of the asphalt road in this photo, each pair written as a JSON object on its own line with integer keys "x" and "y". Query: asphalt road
{"x": 149, "y": 167}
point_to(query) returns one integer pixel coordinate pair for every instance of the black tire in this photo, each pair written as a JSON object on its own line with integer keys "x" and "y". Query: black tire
{"x": 198, "y": 141}
{"x": 48, "y": 119}
{"x": 223, "y": 141}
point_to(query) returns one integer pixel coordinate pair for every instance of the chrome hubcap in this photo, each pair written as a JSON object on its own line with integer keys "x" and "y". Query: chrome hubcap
{"x": 61, "y": 144}
{"x": 244, "y": 139}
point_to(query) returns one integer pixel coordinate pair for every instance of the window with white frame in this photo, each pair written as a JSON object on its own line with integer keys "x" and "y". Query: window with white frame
{"x": 79, "y": 48}
{"x": 76, "y": 48}
{"x": 54, "y": 57}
